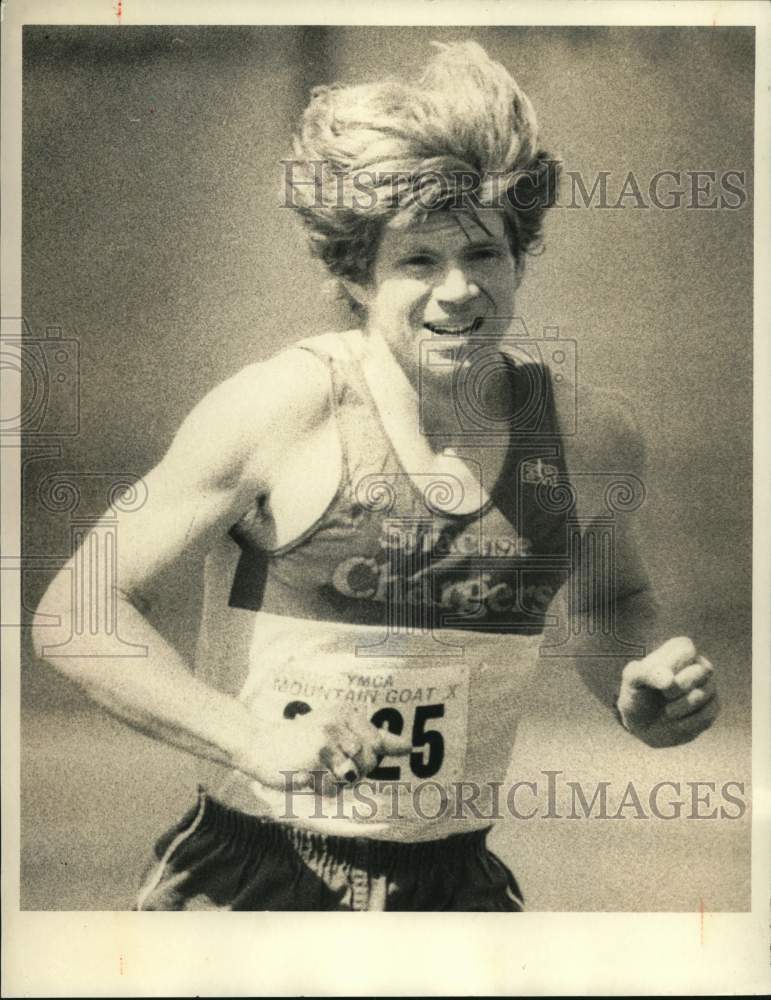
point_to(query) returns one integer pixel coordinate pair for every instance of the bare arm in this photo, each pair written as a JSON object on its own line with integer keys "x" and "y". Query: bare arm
{"x": 219, "y": 461}
{"x": 664, "y": 692}
{"x": 607, "y": 606}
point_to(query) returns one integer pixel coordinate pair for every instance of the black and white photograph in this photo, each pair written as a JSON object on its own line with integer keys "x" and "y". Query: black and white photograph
{"x": 381, "y": 401}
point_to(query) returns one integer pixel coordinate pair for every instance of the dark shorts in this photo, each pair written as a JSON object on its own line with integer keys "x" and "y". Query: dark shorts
{"x": 217, "y": 858}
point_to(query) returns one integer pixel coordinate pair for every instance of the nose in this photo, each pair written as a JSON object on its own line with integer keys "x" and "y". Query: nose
{"x": 456, "y": 288}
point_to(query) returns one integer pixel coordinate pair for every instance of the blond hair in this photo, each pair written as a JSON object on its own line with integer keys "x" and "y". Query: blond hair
{"x": 388, "y": 153}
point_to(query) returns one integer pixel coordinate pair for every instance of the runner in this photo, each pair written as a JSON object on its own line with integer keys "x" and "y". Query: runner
{"x": 390, "y": 516}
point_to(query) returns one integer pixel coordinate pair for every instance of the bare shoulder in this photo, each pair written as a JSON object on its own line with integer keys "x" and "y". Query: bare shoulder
{"x": 291, "y": 388}
{"x": 240, "y": 427}
{"x": 602, "y": 423}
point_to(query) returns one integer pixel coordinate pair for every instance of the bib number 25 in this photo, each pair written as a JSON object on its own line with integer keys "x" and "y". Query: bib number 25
{"x": 427, "y": 744}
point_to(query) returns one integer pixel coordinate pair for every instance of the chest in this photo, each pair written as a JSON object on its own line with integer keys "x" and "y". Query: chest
{"x": 303, "y": 483}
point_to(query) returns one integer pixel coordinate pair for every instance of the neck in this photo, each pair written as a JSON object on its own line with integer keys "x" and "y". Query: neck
{"x": 447, "y": 405}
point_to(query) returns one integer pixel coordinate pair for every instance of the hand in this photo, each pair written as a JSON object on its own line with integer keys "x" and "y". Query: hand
{"x": 668, "y": 697}
{"x": 345, "y": 748}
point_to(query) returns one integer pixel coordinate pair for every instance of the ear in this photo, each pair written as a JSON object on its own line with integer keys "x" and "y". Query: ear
{"x": 360, "y": 293}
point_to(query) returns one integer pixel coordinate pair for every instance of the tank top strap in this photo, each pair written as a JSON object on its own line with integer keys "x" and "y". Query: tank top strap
{"x": 366, "y": 449}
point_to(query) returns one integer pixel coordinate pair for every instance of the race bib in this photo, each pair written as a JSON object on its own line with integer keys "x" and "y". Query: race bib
{"x": 429, "y": 705}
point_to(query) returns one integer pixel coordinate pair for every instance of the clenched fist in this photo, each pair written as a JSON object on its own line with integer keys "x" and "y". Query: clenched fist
{"x": 669, "y": 696}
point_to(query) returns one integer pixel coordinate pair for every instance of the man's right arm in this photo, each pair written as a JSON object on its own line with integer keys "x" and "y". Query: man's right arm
{"x": 219, "y": 461}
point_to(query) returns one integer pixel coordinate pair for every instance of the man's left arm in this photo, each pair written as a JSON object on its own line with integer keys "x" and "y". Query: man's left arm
{"x": 666, "y": 696}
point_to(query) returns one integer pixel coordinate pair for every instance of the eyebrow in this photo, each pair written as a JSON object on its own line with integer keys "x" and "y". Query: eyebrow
{"x": 432, "y": 251}
{"x": 416, "y": 251}
{"x": 486, "y": 245}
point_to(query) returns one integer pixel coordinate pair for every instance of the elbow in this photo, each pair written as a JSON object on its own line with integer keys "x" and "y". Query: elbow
{"x": 68, "y": 628}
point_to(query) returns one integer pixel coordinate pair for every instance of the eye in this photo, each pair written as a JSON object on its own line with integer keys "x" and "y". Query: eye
{"x": 485, "y": 253}
{"x": 418, "y": 260}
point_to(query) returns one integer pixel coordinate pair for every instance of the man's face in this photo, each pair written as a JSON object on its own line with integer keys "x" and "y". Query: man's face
{"x": 445, "y": 280}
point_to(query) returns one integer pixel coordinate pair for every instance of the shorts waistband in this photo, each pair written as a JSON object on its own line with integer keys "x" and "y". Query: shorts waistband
{"x": 235, "y": 826}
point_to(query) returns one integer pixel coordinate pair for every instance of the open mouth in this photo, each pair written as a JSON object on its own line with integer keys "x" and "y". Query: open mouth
{"x": 455, "y": 329}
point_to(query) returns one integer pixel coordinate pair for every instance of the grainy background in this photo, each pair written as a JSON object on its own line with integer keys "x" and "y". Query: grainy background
{"x": 154, "y": 235}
